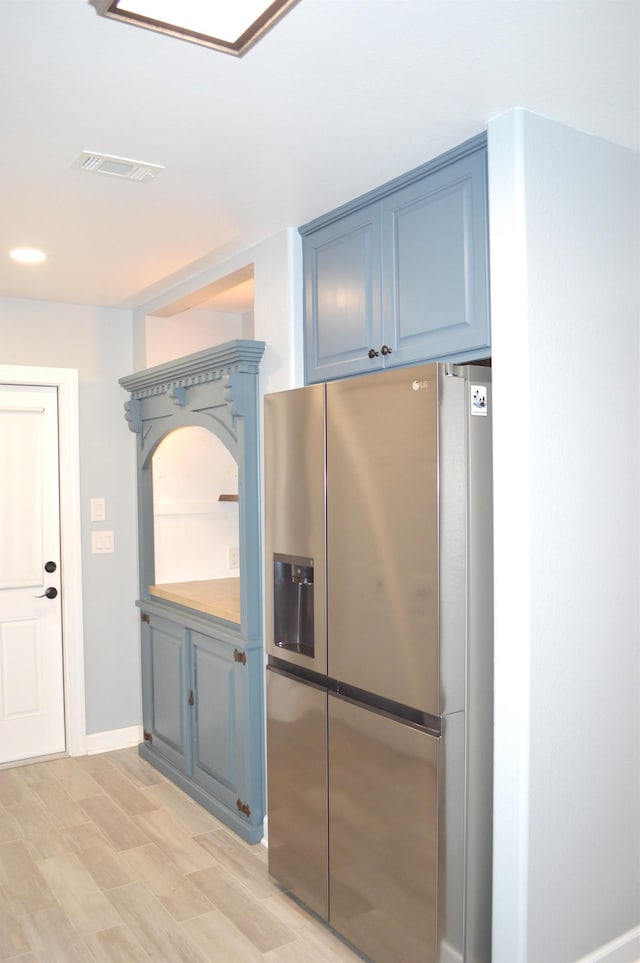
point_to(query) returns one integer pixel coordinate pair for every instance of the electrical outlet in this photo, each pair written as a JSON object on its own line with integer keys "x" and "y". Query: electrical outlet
{"x": 233, "y": 558}
{"x": 101, "y": 543}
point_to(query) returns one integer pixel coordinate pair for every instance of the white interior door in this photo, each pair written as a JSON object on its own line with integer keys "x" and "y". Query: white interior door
{"x": 31, "y": 663}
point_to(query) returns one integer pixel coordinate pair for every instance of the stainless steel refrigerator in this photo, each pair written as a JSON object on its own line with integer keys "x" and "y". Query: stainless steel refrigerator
{"x": 378, "y": 494}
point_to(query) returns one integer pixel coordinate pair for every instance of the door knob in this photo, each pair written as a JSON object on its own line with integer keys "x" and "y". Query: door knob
{"x": 385, "y": 349}
{"x": 373, "y": 353}
{"x": 49, "y": 593}
{"x": 50, "y": 567}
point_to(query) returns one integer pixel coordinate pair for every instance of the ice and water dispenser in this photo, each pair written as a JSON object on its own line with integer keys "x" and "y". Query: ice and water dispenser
{"x": 293, "y": 604}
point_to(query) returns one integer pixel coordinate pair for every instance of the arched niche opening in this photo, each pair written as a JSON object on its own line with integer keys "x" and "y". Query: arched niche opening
{"x": 196, "y": 529}
{"x": 213, "y": 396}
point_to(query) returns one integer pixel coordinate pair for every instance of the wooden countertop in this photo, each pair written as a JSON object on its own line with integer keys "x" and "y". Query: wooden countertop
{"x": 218, "y": 596}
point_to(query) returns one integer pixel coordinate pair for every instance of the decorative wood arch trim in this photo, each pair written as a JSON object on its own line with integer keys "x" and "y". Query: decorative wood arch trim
{"x": 217, "y": 389}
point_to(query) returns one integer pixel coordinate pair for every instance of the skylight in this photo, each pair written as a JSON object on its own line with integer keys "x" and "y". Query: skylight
{"x": 228, "y": 25}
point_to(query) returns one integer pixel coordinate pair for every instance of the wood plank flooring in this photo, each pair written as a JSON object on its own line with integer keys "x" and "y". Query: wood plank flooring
{"x": 102, "y": 860}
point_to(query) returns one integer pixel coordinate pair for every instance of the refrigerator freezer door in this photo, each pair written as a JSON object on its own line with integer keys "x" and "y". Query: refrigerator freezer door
{"x": 382, "y": 534}
{"x": 297, "y": 788}
{"x": 295, "y": 522}
{"x": 383, "y": 830}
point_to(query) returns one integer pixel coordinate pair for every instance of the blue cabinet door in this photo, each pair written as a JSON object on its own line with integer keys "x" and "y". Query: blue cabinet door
{"x": 215, "y": 736}
{"x": 342, "y": 295}
{"x": 435, "y": 264}
{"x": 227, "y": 731}
{"x": 165, "y": 675}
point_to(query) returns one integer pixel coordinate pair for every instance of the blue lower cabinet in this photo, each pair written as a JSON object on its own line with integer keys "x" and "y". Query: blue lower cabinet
{"x": 165, "y": 672}
{"x": 227, "y": 726}
{"x": 202, "y": 673}
{"x": 203, "y": 719}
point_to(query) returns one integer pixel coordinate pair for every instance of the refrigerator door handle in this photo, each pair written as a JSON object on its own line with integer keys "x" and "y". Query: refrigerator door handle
{"x": 406, "y": 715}
{"x": 306, "y": 676}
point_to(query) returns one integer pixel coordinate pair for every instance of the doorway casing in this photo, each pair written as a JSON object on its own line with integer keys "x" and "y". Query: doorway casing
{"x": 66, "y": 381}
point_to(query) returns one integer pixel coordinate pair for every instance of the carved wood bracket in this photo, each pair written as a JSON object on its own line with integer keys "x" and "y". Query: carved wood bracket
{"x": 210, "y": 384}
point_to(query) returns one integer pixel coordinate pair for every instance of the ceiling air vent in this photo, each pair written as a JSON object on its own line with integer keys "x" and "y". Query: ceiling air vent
{"x": 123, "y": 167}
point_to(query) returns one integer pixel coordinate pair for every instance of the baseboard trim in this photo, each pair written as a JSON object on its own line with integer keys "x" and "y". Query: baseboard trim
{"x": 114, "y": 739}
{"x": 624, "y": 949}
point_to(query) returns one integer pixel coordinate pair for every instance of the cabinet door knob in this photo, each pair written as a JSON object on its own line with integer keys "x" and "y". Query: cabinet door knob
{"x": 373, "y": 353}
{"x": 385, "y": 349}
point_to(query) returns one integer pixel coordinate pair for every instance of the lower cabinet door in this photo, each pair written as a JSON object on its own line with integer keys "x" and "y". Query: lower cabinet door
{"x": 215, "y": 739}
{"x": 297, "y": 790}
{"x": 227, "y": 726}
{"x": 165, "y": 672}
{"x": 383, "y": 832}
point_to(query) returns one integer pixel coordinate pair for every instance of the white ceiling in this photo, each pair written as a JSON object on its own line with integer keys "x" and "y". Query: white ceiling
{"x": 339, "y": 97}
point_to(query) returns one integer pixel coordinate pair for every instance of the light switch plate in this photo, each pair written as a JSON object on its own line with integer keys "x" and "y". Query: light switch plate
{"x": 98, "y": 510}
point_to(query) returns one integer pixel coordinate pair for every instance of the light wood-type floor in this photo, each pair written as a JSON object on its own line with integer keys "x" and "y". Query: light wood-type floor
{"x": 103, "y": 860}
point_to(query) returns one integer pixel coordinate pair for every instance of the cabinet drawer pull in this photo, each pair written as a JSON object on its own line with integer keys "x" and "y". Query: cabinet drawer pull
{"x": 373, "y": 353}
{"x": 385, "y": 349}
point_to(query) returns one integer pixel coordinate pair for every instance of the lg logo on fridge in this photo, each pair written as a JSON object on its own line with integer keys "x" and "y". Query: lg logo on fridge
{"x": 418, "y": 385}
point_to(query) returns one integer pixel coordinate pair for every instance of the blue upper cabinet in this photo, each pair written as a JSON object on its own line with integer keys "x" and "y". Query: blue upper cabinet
{"x": 401, "y": 275}
{"x": 435, "y": 291}
{"x": 342, "y": 262}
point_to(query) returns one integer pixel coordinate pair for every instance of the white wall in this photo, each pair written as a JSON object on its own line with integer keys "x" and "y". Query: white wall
{"x": 277, "y": 270}
{"x": 98, "y": 342}
{"x": 194, "y": 330}
{"x": 565, "y": 309}
{"x": 278, "y": 310}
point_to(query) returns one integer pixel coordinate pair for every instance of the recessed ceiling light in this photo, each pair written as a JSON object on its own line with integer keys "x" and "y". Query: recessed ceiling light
{"x": 228, "y": 25}
{"x": 28, "y": 255}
